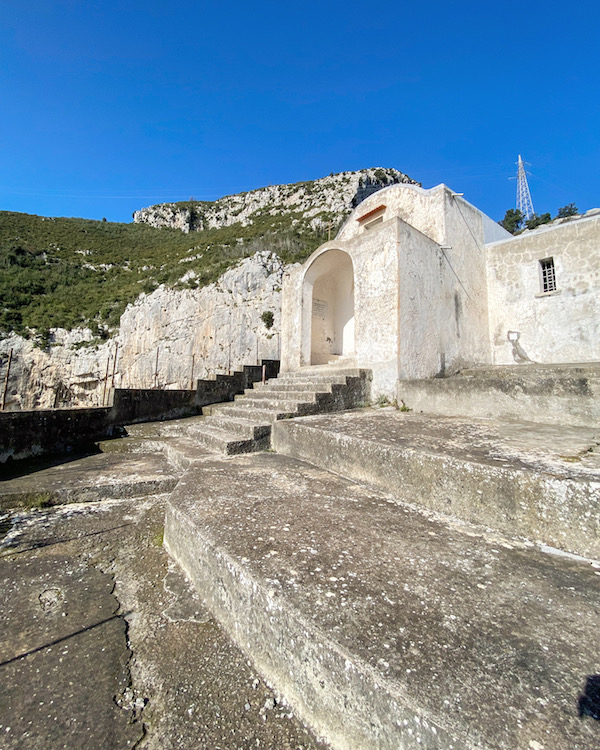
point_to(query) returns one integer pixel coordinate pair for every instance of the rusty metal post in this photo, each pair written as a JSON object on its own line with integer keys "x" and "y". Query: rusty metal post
{"x": 10, "y": 355}
{"x": 112, "y": 381}
{"x": 105, "y": 379}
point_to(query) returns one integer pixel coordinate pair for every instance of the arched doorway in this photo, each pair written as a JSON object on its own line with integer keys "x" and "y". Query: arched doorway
{"x": 330, "y": 303}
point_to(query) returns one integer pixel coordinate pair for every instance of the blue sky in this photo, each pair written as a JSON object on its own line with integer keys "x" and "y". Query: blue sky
{"x": 106, "y": 107}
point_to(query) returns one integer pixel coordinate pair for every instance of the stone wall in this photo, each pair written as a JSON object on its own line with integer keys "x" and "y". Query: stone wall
{"x": 54, "y": 431}
{"x": 420, "y": 292}
{"x": 556, "y": 327}
{"x": 51, "y": 431}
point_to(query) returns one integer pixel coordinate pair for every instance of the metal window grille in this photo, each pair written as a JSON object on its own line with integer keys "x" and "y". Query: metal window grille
{"x": 548, "y": 275}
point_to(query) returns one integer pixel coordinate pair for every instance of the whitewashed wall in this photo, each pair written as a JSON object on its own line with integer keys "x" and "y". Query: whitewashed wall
{"x": 560, "y": 327}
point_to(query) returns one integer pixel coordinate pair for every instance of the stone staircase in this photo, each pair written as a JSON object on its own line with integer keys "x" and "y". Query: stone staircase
{"x": 244, "y": 425}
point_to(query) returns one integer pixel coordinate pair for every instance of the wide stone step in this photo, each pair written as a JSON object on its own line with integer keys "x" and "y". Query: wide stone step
{"x": 339, "y": 378}
{"x": 219, "y": 440}
{"x": 260, "y": 416}
{"x": 322, "y": 380}
{"x": 272, "y": 386}
{"x": 175, "y": 427}
{"x": 386, "y": 627}
{"x": 182, "y": 452}
{"x": 89, "y": 479}
{"x": 298, "y": 394}
{"x": 534, "y": 370}
{"x": 536, "y": 481}
{"x": 238, "y": 425}
{"x": 548, "y": 395}
{"x": 137, "y": 444}
{"x": 284, "y": 406}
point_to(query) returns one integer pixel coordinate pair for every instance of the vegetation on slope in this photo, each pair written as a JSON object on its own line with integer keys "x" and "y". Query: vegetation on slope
{"x": 514, "y": 221}
{"x": 60, "y": 272}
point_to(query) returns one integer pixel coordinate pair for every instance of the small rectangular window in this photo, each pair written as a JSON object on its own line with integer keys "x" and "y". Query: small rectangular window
{"x": 548, "y": 275}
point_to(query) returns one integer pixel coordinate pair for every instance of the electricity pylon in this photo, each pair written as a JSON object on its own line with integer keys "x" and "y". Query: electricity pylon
{"x": 524, "y": 202}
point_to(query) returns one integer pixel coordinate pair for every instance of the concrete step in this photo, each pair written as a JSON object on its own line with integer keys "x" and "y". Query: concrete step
{"x": 264, "y": 415}
{"x": 384, "y": 626}
{"x": 283, "y": 383}
{"x": 183, "y": 452}
{"x": 539, "y": 393}
{"x": 297, "y": 394}
{"x": 537, "y": 481}
{"x": 227, "y": 442}
{"x": 322, "y": 375}
{"x": 283, "y": 406}
{"x": 97, "y": 477}
{"x": 178, "y": 427}
{"x": 532, "y": 369}
{"x": 138, "y": 444}
{"x": 238, "y": 425}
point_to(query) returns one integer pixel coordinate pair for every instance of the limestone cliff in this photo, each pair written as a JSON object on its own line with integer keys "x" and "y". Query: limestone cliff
{"x": 166, "y": 339}
{"x": 318, "y": 201}
{"x": 170, "y": 337}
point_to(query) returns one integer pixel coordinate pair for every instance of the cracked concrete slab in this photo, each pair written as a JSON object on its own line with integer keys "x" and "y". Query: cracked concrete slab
{"x": 145, "y": 664}
{"x": 63, "y": 656}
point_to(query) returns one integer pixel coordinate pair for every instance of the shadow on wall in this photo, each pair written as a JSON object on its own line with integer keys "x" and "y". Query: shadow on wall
{"x": 589, "y": 700}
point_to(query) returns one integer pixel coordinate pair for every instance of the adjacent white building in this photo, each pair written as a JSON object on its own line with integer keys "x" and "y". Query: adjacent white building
{"x": 420, "y": 284}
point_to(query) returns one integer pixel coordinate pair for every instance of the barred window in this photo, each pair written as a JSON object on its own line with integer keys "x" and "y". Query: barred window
{"x": 548, "y": 275}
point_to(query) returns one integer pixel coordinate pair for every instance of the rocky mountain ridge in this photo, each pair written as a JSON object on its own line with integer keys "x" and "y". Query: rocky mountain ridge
{"x": 316, "y": 202}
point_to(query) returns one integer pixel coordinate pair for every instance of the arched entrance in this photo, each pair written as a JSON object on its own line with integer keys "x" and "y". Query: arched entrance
{"x": 329, "y": 301}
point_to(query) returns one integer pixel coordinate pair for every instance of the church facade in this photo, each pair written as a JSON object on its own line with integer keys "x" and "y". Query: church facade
{"x": 421, "y": 284}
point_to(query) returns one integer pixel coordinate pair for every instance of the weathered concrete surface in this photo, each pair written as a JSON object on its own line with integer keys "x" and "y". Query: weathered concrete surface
{"x": 141, "y": 660}
{"x": 385, "y": 626}
{"x": 541, "y": 482}
{"x": 91, "y": 478}
{"x": 549, "y": 394}
{"x": 63, "y": 656}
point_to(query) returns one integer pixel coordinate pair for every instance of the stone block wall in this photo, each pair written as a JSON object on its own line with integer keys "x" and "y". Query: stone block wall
{"x": 560, "y": 326}
{"x": 24, "y": 434}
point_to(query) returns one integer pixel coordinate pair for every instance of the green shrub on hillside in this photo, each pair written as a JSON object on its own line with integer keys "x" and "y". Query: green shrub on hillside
{"x": 60, "y": 272}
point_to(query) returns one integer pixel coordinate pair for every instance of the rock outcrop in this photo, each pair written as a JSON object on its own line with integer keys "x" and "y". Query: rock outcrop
{"x": 166, "y": 339}
{"x": 318, "y": 201}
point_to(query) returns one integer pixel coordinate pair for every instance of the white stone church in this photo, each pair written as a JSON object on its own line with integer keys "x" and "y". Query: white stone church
{"x": 420, "y": 283}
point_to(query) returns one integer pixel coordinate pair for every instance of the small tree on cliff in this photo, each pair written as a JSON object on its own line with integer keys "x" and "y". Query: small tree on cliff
{"x": 512, "y": 221}
{"x": 565, "y": 211}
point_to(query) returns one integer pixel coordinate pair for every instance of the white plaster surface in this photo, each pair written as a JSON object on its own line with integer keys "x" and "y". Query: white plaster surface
{"x": 420, "y": 295}
{"x": 559, "y": 327}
